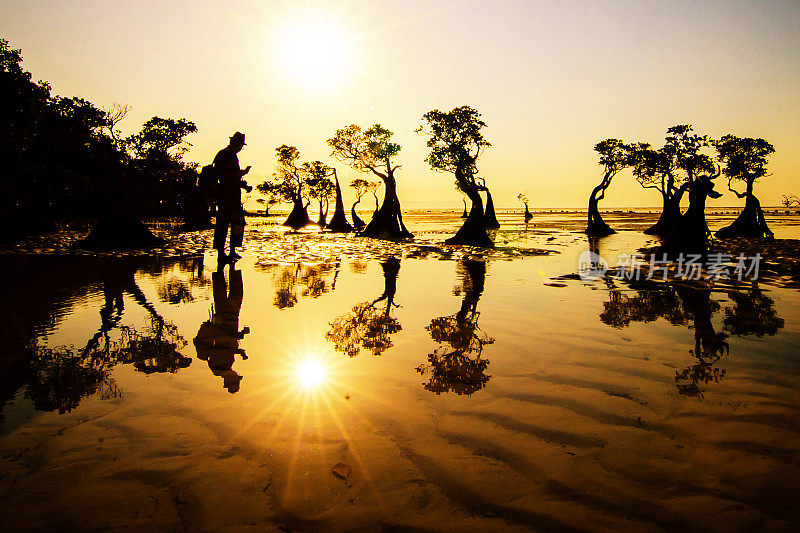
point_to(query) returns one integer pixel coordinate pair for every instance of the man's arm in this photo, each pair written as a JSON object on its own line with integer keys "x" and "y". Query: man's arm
{"x": 227, "y": 166}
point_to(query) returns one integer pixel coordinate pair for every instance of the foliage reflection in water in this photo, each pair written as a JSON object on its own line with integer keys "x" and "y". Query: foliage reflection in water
{"x": 570, "y": 417}
{"x": 458, "y": 367}
{"x": 750, "y": 312}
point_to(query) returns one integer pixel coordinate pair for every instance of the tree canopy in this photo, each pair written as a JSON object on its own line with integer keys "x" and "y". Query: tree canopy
{"x": 743, "y": 158}
{"x": 455, "y": 139}
{"x": 370, "y": 150}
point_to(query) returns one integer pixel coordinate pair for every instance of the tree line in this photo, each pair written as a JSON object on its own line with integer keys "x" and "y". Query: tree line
{"x": 64, "y": 158}
{"x": 686, "y": 166}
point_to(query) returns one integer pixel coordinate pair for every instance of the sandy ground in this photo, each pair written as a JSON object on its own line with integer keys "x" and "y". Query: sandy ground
{"x": 580, "y": 427}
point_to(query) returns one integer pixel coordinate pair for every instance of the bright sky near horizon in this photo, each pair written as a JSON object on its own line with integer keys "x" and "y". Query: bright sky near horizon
{"x": 550, "y": 78}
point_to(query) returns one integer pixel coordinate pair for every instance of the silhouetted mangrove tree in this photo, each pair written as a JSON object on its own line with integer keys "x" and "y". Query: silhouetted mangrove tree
{"x": 745, "y": 160}
{"x": 456, "y": 143}
{"x": 372, "y": 150}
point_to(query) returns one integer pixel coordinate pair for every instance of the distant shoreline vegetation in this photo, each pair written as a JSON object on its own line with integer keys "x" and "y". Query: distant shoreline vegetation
{"x": 582, "y": 209}
{"x": 65, "y": 159}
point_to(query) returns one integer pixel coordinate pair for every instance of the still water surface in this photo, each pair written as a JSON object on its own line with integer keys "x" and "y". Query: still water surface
{"x": 330, "y": 384}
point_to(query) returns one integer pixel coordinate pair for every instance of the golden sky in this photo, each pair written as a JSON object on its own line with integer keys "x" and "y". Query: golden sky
{"x": 550, "y": 78}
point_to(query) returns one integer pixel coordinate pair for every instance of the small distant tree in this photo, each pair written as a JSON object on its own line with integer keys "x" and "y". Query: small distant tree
{"x": 319, "y": 185}
{"x": 272, "y": 195}
{"x": 614, "y": 157}
{"x": 361, "y": 187}
{"x": 790, "y": 200}
{"x": 372, "y": 150}
{"x": 456, "y": 143}
{"x": 524, "y": 199}
{"x": 290, "y": 183}
{"x": 745, "y": 160}
{"x": 373, "y": 187}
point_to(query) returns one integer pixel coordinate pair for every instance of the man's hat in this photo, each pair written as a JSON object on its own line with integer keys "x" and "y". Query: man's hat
{"x": 238, "y": 137}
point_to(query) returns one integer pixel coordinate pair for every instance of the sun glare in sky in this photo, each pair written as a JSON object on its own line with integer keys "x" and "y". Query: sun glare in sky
{"x": 314, "y": 53}
{"x": 310, "y": 373}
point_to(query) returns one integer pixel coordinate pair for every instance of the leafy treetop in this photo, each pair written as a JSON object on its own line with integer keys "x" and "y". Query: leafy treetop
{"x": 744, "y": 159}
{"x": 369, "y": 150}
{"x": 455, "y": 139}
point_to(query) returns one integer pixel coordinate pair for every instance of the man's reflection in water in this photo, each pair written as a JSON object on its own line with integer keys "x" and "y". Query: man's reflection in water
{"x": 217, "y": 341}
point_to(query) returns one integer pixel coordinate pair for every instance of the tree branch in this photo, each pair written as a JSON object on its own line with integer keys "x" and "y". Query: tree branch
{"x": 737, "y": 193}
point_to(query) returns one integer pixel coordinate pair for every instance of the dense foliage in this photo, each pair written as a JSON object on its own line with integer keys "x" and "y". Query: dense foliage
{"x": 62, "y": 158}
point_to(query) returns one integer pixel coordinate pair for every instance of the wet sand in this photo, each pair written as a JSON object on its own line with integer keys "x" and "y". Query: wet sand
{"x": 450, "y": 390}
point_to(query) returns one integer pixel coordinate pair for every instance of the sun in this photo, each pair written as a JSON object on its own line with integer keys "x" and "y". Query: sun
{"x": 310, "y": 374}
{"x": 314, "y": 53}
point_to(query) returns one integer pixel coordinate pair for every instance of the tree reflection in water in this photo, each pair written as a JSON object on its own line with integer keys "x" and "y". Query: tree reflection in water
{"x": 458, "y": 367}
{"x": 298, "y": 279}
{"x": 751, "y": 313}
{"x": 58, "y": 378}
{"x": 367, "y": 325}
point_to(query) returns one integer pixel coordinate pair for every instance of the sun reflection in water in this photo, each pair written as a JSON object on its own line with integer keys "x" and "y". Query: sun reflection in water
{"x": 312, "y": 407}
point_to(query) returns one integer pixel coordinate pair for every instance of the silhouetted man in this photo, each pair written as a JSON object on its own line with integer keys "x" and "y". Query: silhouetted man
{"x": 230, "y": 212}
{"x": 217, "y": 340}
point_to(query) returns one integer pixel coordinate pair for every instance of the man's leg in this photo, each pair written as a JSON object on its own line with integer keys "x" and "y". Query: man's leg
{"x": 221, "y": 230}
{"x": 237, "y": 234}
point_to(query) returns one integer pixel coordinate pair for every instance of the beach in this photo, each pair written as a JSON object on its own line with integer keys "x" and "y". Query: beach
{"x": 338, "y": 383}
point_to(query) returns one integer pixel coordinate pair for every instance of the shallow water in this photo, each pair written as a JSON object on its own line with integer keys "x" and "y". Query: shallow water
{"x": 334, "y": 383}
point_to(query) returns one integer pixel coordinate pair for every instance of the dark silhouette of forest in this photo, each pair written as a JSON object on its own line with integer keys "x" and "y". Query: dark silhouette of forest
{"x": 64, "y": 158}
